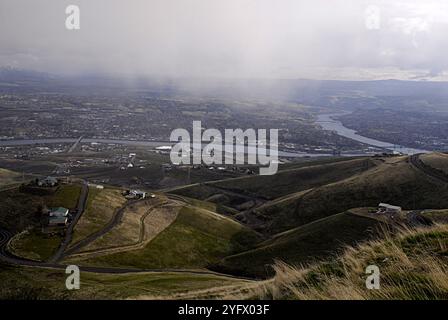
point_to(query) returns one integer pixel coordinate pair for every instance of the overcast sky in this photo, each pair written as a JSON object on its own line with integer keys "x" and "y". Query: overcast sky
{"x": 324, "y": 39}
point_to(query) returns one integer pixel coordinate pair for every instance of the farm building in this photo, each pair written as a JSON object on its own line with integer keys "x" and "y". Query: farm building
{"x": 47, "y": 182}
{"x": 58, "y": 217}
{"x": 57, "y": 221}
{"x": 135, "y": 194}
{"x": 58, "y": 212}
{"x": 389, "y": 209}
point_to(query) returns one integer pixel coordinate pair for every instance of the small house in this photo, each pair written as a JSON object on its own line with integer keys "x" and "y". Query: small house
{"x": 56, "y": 221}
{"x": 58, "y": 212}
{"x": 47, "y": 182}
{"x": 135, "y": 194}
{"x": 388, "y": 209}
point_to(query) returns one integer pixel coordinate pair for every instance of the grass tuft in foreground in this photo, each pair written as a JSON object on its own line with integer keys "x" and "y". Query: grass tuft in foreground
{"x": 413, "y": 266}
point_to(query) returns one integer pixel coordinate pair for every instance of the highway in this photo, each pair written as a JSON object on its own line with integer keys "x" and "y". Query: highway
{"x": 75, "y": 145}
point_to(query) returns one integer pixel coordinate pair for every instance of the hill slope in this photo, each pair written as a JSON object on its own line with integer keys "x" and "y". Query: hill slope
{"x": 234, "y": 192}
{"x": 197, "y": 238}
{"x": 304, "y": 244}
{"x": 412, "y": 264}
{"x": 396, "y": 181}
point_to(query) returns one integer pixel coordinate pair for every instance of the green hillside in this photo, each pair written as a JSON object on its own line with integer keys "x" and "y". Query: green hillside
{"x": 234, "y": 192}
{"x": 413, "y": 266}
{"x": 301, "y": 245}
{"x": 297, "y": 179}
{"x": 396, "y": 181}
{"x": 197, "y": 238}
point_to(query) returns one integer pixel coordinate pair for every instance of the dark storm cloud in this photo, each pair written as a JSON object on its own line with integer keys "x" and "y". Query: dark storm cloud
{"x": 227, "y": 38}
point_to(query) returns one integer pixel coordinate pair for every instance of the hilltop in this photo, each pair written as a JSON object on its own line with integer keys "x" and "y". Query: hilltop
{"x": 412, "y": 264}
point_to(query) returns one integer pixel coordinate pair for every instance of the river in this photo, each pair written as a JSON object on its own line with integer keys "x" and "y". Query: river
{"x": 327, "y": 122}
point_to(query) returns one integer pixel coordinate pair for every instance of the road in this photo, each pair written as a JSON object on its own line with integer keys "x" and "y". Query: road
{"x": 69, "y": 233}
{"x": 73, "y": 147}
{"x": 53, "y": 263}
{"x": 141, "y": 241}
{"x": 9, "y": 258}
{"x": 116, "y": 219}
{"x": 434, "y": 173}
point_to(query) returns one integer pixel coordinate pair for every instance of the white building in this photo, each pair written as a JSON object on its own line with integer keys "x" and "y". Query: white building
{"x": 58, "y": 217}
{"x": 58, "y": 212}
{"x": 47, "y": 182}
{"x": 135, "y": 194}
{"x": 388, "y": 208}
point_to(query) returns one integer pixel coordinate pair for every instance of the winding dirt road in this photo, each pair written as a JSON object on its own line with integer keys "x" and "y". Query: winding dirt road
{"x": 428, "y": 170}
{"x": 148, "y": 230}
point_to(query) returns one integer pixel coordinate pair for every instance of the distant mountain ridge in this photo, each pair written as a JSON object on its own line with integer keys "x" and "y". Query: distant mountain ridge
{"x": 17, "y": 74}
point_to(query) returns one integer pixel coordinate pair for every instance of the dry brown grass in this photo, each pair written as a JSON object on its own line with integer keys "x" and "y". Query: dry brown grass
{"x": 101, "y": 206}
{"x": 8, "y": 177}
{"x": 413, "y": 266}
{"x": 142, "y": 222}
{"x": 438, "y": 161}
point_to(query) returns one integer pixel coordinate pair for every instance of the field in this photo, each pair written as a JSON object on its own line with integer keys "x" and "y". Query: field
{"x": 196, "y": 239}
{"x": 33, "y": 244}
{"x": 100, "y": 208}
{"x": 18, "y": 210}
{"x": 8, "y": 177}
{"x": 21, "y": 210}
{"x": 141, "y": 222}
{"x": 66, "y": 196}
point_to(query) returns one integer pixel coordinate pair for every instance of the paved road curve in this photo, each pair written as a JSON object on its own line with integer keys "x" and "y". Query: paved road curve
{"x": 69, "y": 234}
{"x": 9, "y": 258}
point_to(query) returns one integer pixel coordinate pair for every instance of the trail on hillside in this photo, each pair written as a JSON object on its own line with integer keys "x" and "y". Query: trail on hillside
{"x": 155, "y": 220}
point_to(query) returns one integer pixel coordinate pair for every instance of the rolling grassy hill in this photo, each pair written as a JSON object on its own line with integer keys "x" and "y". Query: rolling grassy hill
{"x": 196, "y": 238}
{"x": 21, "y": 212}
{"x": 17, "y": 283}
{"x": 234, "y": 192}
{"x": 302, "y": 245}
{"x": 297, "y": 179}
{"x": 33, "y": 244}
{"x": 20, "y": 209}
{"x": 412, "y": 263}
{"x": 438, "y": 161}
{"x": 8, "y": 177}
{"x": 396, "y": 181}
{"x": 100, "y": 208}
{"x": 65, "y": 196}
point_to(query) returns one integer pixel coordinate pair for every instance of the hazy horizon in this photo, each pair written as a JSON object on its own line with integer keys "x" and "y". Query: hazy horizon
{"x": 236, "y": 39}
